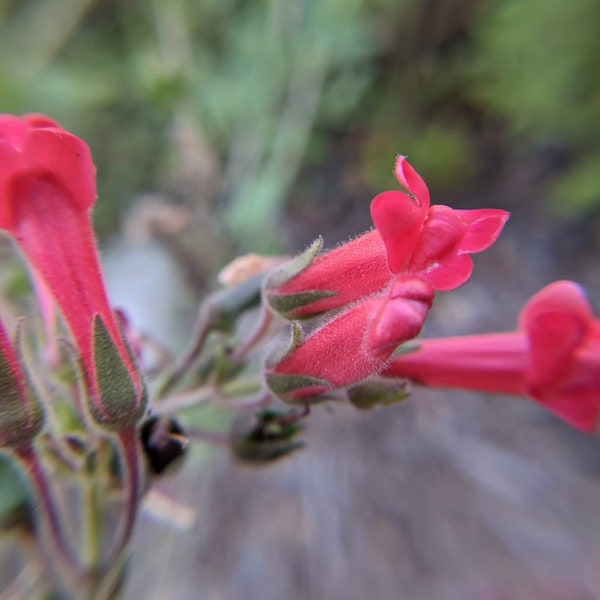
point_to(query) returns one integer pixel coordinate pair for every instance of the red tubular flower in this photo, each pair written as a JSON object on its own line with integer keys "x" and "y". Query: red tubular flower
{"x": 553, "y": 357}
{"x": 47, "y": 190}
{"x": 411, "y": 238}
{"x": 433, "y": 243}
{"x": 354, "y": 345}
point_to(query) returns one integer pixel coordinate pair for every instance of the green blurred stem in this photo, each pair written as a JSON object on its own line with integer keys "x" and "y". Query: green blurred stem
{"x": 129, "y": 455}
{"x": 218, "y": 312}
{"x": 46, "y": 503}
{"x": 195, "y": 397}
{"x": 185, "y": 362}
{"x": 251, "y": 221}
{"x": 92, "y": 526}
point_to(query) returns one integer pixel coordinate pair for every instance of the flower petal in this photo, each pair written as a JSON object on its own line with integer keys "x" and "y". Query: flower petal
{"x": 482, "y": 229}
{"x": 398, "y": 219}
{"x": 556, "y": 320}
{"x": 412, "y": 181}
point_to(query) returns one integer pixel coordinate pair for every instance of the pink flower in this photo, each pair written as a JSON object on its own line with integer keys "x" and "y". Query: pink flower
{"x": 433, "y": 243}
{"x": 411, "y": 238}
{"x": 355, "y": 345}
{"x": 553, "y": 357}
{"x": 47, "y": 191}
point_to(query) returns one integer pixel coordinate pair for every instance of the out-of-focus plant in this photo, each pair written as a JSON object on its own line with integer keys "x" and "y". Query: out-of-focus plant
{"x": 250, "y": 80}
{"x": 88, "y": 426}
{"x": 536, "y": 63}
{"x": 418, "y": 95}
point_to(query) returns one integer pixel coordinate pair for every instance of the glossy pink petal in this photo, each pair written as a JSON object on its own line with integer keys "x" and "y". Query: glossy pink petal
{"x": 399, "y": 220}
{"x": 482, "y": 228}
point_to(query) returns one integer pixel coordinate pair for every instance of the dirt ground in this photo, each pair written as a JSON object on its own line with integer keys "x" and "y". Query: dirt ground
{"x": 447, "y": 496}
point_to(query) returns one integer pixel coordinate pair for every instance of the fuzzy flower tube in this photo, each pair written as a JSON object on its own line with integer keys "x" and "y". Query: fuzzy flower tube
{"x": 553, "y": 357}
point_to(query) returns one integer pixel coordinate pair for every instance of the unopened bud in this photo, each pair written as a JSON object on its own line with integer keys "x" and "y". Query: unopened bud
{"x": 266, "y": 437}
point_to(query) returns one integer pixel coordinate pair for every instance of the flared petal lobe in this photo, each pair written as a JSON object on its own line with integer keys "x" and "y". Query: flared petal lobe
{"x": 431, "y": 242}
{"x": 399, "y": 220}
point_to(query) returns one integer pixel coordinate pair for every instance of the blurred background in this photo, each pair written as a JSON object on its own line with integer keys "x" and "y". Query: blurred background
{"x": 220, "y": 127}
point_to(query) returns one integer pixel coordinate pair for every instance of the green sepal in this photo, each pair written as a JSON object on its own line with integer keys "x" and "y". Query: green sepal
{"x": 371, "y": 393}
{"x": 224, "y": 307}
{"x": 293, "y": 267}
{"x": 21, "y": 410}
{"x": 287, "y": 304}
{"x": 121, "y": 407}
{"x": 265, "y": 438}
{"x": 283, "y": 386}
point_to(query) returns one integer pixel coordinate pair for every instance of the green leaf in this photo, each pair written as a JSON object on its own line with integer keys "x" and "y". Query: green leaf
{"x": 284, "y": 385}
{"x": 369, "y": 394}
{"x": 119, "y": 407}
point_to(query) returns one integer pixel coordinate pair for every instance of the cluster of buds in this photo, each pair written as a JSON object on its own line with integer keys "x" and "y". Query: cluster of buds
{"x": 375, "y": 290}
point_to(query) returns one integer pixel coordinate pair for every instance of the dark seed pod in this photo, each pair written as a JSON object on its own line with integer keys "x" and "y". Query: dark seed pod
{"x": 163, "y": 441}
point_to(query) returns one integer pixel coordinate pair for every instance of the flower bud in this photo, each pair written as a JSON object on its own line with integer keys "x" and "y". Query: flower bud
{"x": 354, "y": 345}
{"x": 266, "y": 437}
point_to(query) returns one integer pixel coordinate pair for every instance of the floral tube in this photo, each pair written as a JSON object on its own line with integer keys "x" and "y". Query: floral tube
{"x": 553, "y": 357}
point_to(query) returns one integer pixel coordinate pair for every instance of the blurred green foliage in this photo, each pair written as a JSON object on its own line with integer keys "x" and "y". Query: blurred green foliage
{"x": 253, "y": 76}
{"x": 264, "y": 88}
{"x": 536, "y": 63}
